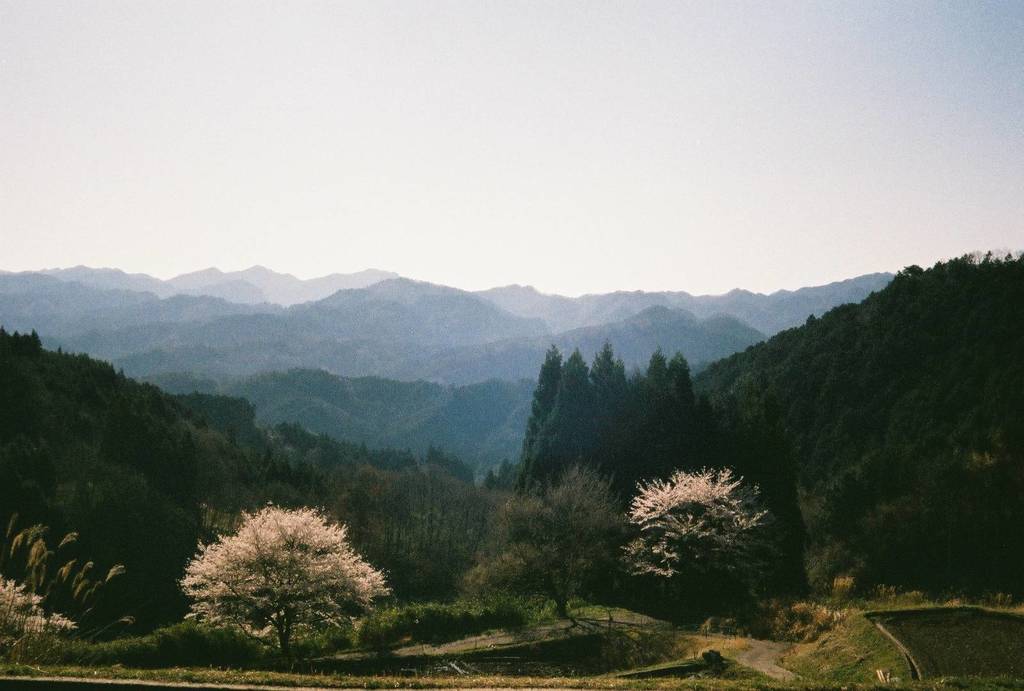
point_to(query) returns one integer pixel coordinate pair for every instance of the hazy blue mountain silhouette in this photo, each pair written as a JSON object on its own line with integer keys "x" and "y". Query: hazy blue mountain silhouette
{"x": 634, "y": 339}
{"x": 254, "y": 285}
{"x": 767, "y": 313}
{"x": 395, "y": 328}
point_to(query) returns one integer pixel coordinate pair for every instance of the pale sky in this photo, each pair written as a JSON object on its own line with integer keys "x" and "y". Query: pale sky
{"x": 578, "y": 147}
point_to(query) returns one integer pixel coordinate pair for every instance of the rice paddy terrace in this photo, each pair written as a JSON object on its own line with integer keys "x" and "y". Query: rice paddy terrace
{"x": 957, "y": 641}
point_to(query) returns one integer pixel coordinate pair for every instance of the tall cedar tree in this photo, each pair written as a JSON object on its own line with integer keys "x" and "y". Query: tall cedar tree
{"x": 650, "y": 425}
{"x": 543, "y": 403}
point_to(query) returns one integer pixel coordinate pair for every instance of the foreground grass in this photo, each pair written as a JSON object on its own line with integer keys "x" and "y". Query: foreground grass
{"x": 282, "y": 679}
{"x": 259, "y": 678}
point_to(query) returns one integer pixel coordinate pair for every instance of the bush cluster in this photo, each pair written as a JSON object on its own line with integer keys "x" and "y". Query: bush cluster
{"x": 433, "y": 622}
{"x": 800, "y": 621}
{"x": 187, "y": 644}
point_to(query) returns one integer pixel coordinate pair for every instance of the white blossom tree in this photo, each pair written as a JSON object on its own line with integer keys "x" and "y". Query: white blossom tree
{"x": 22, "y": 615}
{"x": 282, "y": 571}
{"x": 703, "y": 521}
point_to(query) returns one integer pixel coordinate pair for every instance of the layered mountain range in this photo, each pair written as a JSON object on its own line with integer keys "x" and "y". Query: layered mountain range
{"x": 381, "y": 359}
{"x": 252, "y": 286}
{"x": 372, "y": 323}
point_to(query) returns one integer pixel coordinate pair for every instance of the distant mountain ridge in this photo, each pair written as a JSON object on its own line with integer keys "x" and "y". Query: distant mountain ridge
{"x": 634, "y": 339}
{"x": 63, "y": 308}
{"x": 215, "y": 324}
{"x": 397, "y": 329}
{"x": 254, "y": 285}
{"x": 767, "y": 313}
{"x": 279, "y": 288}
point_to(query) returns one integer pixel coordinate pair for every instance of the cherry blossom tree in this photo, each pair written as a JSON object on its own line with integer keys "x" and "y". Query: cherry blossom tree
{"x": 282, "y": 571}
{"x": 703, "y": 521}
{"x": 22, "y": 615}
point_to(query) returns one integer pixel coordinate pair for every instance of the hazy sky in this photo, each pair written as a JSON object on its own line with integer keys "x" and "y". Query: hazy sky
{"x": 574, "y": 146}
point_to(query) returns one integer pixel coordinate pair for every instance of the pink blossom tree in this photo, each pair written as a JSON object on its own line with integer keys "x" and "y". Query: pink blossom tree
{"x": 22, "y": 616}
{"x": 282, "y": 571}
{"x": 703, "y": 521}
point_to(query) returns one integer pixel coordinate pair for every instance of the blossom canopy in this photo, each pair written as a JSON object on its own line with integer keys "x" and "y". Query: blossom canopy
{"x": 703, "y": 521}
{"x": 282, "y": 570}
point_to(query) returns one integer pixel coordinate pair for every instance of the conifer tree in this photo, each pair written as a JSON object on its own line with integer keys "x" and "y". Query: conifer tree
{"x": 569, "y": 434}
{"x": 543, "y": 403}
{"x": 610, "y": 394}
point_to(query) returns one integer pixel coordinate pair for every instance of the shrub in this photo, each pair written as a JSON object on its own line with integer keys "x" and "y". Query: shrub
{"x": 893, "y": 596}
{"x": 999, "y": 600}
{"x": 324, "y": 642}
{"x": 843, "y": 587}
{"x": 433, "y": 622}
{"x": 796, "y": 621}
{"x": 182, "y": 645}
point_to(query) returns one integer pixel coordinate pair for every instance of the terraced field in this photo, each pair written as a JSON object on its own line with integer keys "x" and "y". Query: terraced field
{"x": 962, "y": 641}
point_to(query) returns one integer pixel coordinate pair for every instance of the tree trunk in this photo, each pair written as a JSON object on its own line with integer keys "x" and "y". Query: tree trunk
{"x": 284, "y": 635}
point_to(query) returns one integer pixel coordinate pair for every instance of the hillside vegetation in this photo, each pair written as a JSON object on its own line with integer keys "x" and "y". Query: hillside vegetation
{"x": 905, "y": 415}
{"x": 481, "y": 423}
{"x": 142, "y": 476}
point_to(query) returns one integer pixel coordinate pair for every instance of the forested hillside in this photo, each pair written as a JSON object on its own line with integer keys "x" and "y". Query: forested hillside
{"x": 141, "y": 476}
{"x": 480, "y": 423}
{"x": 907, "y": 416}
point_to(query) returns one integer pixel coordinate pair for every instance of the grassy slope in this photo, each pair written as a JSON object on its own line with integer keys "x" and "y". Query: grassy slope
{"x": 849, "y": 654}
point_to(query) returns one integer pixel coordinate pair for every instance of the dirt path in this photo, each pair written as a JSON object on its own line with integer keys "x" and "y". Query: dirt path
{"x": 763, "y": 656}
{"x": 754, "y": 653}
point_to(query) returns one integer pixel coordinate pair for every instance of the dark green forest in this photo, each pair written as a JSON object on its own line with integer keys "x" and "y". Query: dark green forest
{"x": 906, "y": 418}
{"x": 142, "y": 476}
